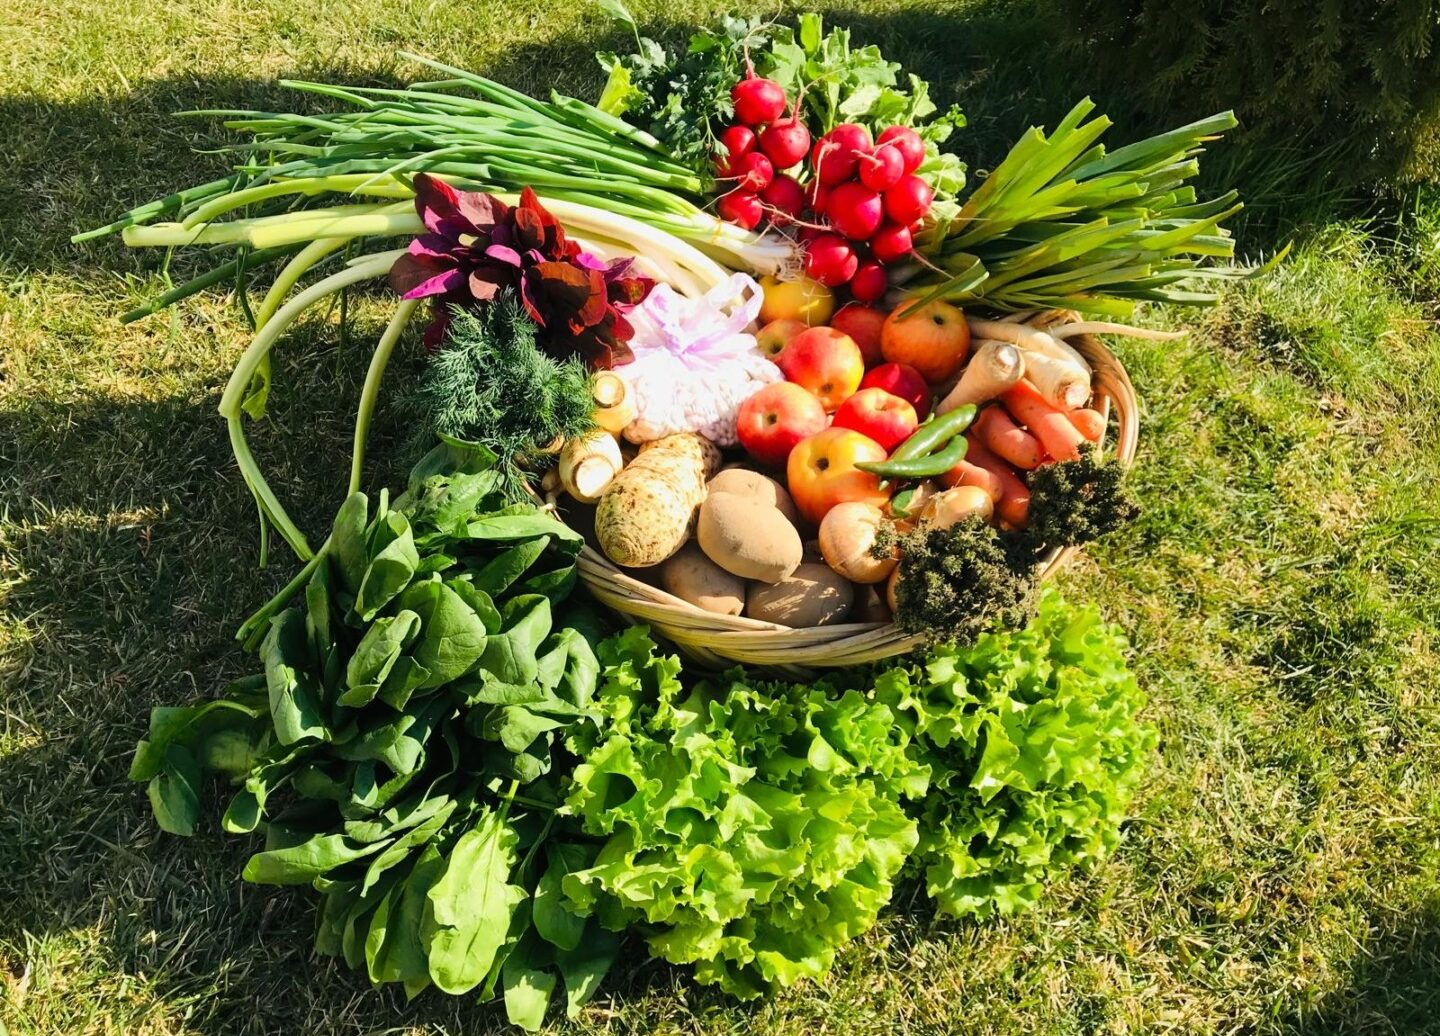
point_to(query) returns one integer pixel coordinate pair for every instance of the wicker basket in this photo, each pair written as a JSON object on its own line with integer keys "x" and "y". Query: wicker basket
{"x": 717, "y": 641}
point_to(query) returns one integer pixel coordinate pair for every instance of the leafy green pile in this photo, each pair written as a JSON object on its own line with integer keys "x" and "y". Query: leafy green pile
{"x": 485, "y": 802}
{"x": 490, "y": 385}
{"x": 683, "y": 99}
{"x": 753, "y": 827}
{"x": 401, "y": 750}
{"x": 1034, "y": 748}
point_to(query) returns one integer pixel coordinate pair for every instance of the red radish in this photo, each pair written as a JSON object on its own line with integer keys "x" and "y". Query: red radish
{"x": 786, "y": 142}
{"x": 891, "y": 242}
{"x": 785, "y": 197}
{"x": 737, "y": 142}
{"x": 758, "y": 101}
{"x": 810, "y": 233}
{"x": 837, "y": 152}
{"x": 882, "y": 168}
{"x": 742, "y": 208}
{"x": 851, "y": 136}
{"x": 819, "y": 197}
{"x": 754, "y": 172}
{"x": 909, "y": 199}
{"x": 830, "y": 260}
{"x": 869, "y": 282}
{"x": 906, "y": 141}
{"x": 855, "y": 210}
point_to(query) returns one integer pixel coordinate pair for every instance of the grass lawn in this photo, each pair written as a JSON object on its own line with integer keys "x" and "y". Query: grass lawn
{"x": 1282, "y": 874}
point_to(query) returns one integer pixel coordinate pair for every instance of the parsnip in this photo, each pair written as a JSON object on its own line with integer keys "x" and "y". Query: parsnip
{"x": 614, "y": 407}
{"x": 1027, "y": 338}
{"x": 588, "y": 464}
{"x": 994, "y": 366}
{"x": 1063, "y": 385}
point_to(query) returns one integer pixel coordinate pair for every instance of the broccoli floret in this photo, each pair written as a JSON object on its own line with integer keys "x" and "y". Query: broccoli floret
{"x": 1076, "y": 501}
{"x": 958, "y": 582}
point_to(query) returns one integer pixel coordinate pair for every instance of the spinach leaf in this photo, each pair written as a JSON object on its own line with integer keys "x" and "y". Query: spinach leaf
{"x": 468, "y": 908}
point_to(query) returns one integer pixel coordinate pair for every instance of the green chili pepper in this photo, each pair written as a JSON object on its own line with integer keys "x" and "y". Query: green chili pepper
{"x": 930, "y": 435}
{"x": 920, "y": 467}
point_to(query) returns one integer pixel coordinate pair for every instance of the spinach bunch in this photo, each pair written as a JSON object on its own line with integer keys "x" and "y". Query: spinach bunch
{"x": 403, "y": 748}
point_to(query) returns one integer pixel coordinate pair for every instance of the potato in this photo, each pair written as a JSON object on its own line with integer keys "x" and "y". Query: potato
{"x": 847, "y": 535}
{"x": 812, "y": 596}
{"x": 748, "y": 537}
{"x": 744, "y": 482}
{"x": 693, "y": 577}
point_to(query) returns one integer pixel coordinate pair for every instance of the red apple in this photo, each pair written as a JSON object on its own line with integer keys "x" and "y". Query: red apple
{"x": 825, "y": 362}
{"x": 821, "y": 472}
{"x": 863, "y": 324}
{"x": 774, "y": 419}
{"x": 873, "y": 412}
{"x": 933, "y": 338}
{"x": 900, "y": 379}
{"x": 772, "y": 337}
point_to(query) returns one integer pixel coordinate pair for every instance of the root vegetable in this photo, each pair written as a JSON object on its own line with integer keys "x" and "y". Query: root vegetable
{"x": 1057, "y": 435}
{"x": 644, "y": 515}
{"x": 1003, "y": 436}
{"x": 1013, "y": 503}
{"x": 748, "y": 538}
{"x": 693, "y": 577}
{"x": 1062, "y": 384}
{"x": 811, "y": 596}
{"x": 1089, "y": 423}
{"x": 955, "y": 505}
{"x": 993, "y": 368}
{"x": 614, "y": 408}
{"x": 967, "y": 473}
{"x": 847, "y": 537}
{"x": 589, "y": 464}
{"x": 1029, "y": 339}
{"x": 752, "y": 484}
{"x": 909, "y": 503}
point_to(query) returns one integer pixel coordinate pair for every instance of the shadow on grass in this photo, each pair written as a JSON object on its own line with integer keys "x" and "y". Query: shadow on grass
{"x": 1394, "y": 988}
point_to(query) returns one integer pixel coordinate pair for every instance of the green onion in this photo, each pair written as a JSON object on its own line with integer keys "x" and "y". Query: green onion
{"x": 1062, "y": 223}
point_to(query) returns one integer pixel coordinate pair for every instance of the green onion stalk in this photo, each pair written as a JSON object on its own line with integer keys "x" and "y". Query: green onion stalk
{"x": 470, "y": 131}
{"x": 1061, "y": 223}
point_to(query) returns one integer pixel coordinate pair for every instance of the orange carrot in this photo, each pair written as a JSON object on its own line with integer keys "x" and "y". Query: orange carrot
{"x": 1001, "y": 435}
{"x": 1061, "y": 439}
{"x": 1089, "y": 423}
{"x": 1013, "y": 504}
{"x": 967, "y": 474}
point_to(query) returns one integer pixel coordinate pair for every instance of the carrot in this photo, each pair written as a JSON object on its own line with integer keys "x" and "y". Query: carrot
{"x": 1089, "y": 423}
{"x": 1003, "y": 436}
{"x": 968, "y": 474}
{"x": 1061, "y": 439}
{"x": 1013, "y": 503}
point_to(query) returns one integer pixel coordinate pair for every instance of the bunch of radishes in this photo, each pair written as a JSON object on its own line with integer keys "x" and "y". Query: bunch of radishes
{"x": 861, "y": 200}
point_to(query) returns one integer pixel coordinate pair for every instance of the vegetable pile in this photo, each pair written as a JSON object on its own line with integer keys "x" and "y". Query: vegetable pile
{"x": 743, "y": 330}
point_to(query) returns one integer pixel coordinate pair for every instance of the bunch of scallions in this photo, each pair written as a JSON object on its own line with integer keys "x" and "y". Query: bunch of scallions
{"x": 611, "y": 185}
{"x": 1062, "y": 224}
